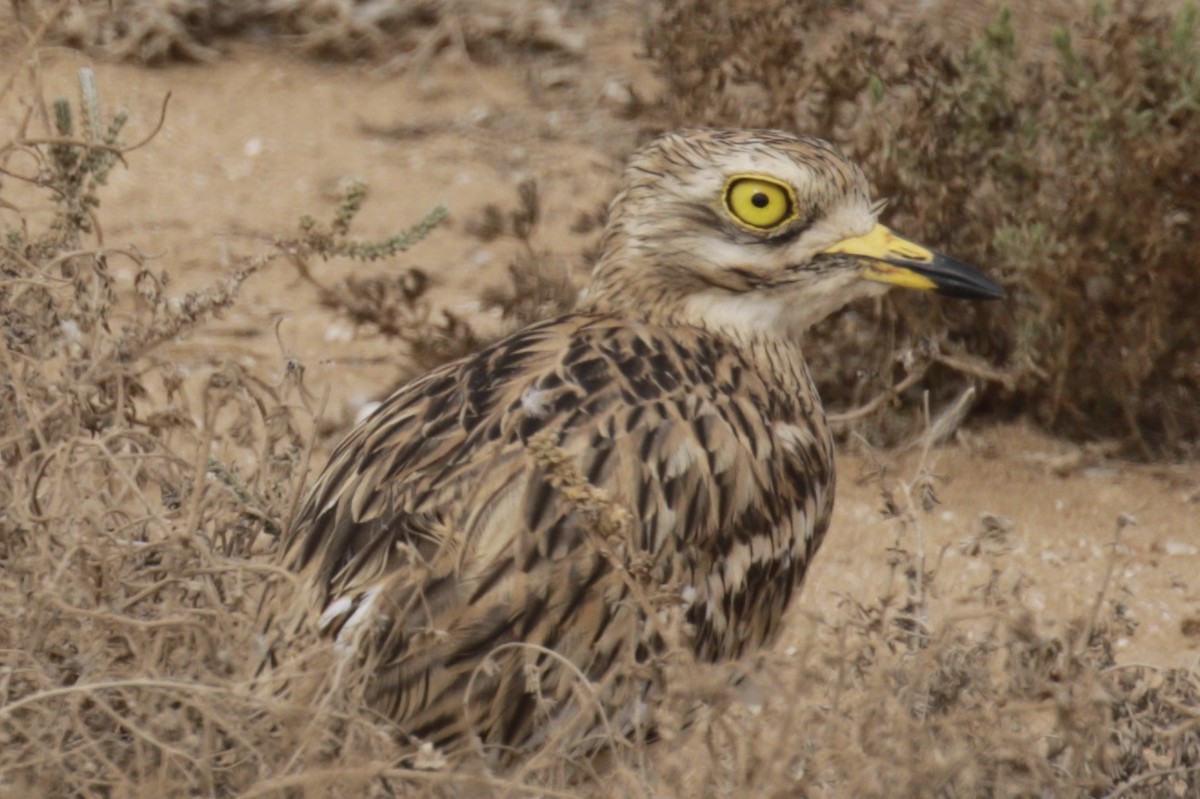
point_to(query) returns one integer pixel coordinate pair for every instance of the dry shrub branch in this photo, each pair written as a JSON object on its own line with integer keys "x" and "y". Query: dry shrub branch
{"x": 137, "y": 498}
{"x": 1052, "y": 143}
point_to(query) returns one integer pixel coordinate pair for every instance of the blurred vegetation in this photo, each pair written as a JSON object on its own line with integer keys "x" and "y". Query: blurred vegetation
{"x": 407, "y": 32}
{"x": 1052, "y": 144}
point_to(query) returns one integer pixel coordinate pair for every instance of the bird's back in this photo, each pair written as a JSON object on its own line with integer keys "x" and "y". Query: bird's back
{"x": 531, "y": 515}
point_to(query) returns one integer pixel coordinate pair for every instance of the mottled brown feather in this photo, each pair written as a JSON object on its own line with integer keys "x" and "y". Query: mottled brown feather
{"x": 435, "y": 504}
{"x": 438, "y": 539}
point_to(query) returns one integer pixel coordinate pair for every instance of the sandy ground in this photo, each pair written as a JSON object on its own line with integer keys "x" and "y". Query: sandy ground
{"x": 254, "y": 141}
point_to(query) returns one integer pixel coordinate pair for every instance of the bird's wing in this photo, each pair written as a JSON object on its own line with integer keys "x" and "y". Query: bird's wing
{"x": 540, "y": 491}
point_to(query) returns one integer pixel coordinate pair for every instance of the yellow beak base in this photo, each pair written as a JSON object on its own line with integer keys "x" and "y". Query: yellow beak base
{"x": 882, "y": 272}
{"x": 888, "y": 257}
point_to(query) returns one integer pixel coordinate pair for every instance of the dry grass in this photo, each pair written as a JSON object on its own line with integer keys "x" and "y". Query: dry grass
{"x": 138, "y": 505}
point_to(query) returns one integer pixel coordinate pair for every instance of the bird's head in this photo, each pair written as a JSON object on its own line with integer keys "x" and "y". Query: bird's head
{"x": 756, "y": 231}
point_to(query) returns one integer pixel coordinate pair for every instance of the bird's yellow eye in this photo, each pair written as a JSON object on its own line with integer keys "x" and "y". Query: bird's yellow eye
{"x": 760, "y": 203}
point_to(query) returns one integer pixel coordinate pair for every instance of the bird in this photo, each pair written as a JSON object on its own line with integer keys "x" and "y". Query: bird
{"x": 509, "y": 543}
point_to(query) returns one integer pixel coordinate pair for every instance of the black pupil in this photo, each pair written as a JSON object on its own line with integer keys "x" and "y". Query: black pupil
{"x": 759, "y": 200}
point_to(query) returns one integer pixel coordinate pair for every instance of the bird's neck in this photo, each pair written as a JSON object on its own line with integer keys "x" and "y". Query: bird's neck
{"x": 669, "y": 296}
{"x": 751, "y": 323}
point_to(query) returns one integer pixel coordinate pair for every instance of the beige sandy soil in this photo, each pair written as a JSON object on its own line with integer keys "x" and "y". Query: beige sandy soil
{"x": 254, "y": 141}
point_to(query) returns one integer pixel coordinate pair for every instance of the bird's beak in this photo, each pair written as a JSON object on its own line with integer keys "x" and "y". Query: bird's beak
{"x": 888, "y": 257}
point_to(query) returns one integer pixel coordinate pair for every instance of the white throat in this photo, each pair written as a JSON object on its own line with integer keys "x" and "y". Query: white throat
{"x": 777, "y": 312}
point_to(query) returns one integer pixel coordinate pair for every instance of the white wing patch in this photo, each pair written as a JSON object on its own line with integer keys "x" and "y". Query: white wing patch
{"x": 334, "y": 610}
{"x": 533, "y": 401}
{"x": 362, "y": 605}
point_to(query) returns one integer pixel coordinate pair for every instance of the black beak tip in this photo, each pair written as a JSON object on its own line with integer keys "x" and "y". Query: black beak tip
{"x": 953, "y": 278}
{"x": 975, "y": 290}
